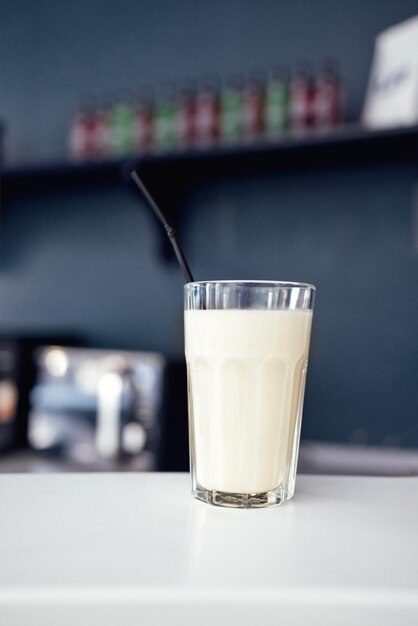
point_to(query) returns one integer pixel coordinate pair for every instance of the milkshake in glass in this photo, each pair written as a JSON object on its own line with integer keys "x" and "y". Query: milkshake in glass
{"x": 247, "y": 346}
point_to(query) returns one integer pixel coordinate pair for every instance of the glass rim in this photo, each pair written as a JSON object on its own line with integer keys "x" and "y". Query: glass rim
{"x": 262, "y": 283}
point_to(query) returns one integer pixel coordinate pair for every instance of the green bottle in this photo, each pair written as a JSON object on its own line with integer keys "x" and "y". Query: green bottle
{"x": 277, "y": 103}
{"x": 122, "y": 124}
{"x": 165, "y": 118}
{"x": 232, "y": 110}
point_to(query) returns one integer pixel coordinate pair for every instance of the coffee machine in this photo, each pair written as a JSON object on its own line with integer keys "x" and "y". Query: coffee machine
{"x": 109, "y": 409}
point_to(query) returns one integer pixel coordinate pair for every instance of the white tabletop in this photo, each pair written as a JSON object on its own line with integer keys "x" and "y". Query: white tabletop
{"x": 136, "y": 549}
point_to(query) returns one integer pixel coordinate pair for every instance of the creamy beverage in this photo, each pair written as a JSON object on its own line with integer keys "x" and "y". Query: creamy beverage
{"x": 246, "y": 345}
{"x": 247, "y": 370}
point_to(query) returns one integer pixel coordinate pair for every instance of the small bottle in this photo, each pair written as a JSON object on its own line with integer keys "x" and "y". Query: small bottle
{"x": 101, "y": 131}
{"x": 254, "y": 96}
{"x": 208, "y": 113}
{"x": 144, "y": 122}
{"x": 82, "y": 138}
{"x": 302, "y": 99}
{"x": 76, "y": 139}
{"x": 186, "y": 116}
{"x": 277, "y": 103}
{"x": 328, "y": 97}
{"x": 122, "y": 121}
{"x": 232, "y": 110}
{"x": 165, "y": 118}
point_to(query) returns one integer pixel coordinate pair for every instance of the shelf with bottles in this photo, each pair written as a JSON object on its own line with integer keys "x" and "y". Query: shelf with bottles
{"x": 343, "y": 144}
{"x": 209, "y": 113}
{"x": 282, "y": 119}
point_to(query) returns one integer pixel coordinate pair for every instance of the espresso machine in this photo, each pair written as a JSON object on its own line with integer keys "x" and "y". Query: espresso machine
{"x": 109, "y": 409}
{"x": 87, "y": 409}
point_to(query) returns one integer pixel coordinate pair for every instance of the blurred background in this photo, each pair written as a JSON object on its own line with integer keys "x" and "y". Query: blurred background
{"x": 262, "y": 128}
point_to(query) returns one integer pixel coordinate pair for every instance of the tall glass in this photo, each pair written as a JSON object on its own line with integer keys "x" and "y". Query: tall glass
{"x": 247, "y": 346}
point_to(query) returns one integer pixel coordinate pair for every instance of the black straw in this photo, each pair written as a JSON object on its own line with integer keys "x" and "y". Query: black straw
{"x": 169, "y": 229}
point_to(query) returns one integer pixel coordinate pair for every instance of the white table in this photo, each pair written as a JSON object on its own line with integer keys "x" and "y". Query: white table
{"x": 136, "y": 549}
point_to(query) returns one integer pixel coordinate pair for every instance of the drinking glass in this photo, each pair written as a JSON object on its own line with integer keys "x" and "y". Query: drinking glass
{"x": 246, "y": 346}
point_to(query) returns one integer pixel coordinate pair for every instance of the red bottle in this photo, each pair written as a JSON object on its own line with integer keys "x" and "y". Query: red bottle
{"x": 100, "y": 131}
{"x": 254, "y": 97}
{"x": 302, "y": 100}
{"x": 144, "y": 123}
{"x": 207, "y": 115}
{"x": 328, "y": 97}
{"x": 82, "y": 134}
{"x": 186, "y": 117}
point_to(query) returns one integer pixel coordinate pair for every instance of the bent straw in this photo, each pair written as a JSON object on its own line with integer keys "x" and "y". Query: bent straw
{"x": 171, "y": 233}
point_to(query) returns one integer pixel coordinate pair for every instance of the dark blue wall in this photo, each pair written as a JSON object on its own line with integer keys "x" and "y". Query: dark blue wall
{"x": 56, "y": 53}
{"x": 89, "y": 260}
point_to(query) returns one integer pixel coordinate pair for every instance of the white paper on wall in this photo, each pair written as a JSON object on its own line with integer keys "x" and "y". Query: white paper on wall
{"x": 392, "y": 95}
